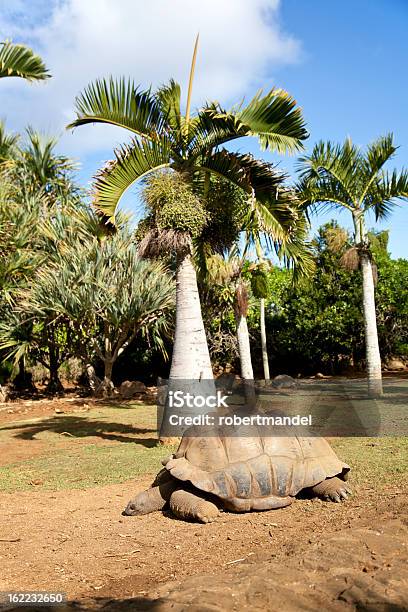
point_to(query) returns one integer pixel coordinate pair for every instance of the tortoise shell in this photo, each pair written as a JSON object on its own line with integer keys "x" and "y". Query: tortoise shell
{"x": 244, "y": 470}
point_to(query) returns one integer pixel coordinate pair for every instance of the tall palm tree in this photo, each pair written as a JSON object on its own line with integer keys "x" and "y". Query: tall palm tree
{"x": 164, "y": 137}
{"x": 342, "y": 177}
{"x": 21, "y": 61}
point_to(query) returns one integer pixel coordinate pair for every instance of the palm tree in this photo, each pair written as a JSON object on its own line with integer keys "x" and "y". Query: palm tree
{"x": 21, "y": 61}
{"x": 190, "y": 145}
{"x": 345, "y": 177}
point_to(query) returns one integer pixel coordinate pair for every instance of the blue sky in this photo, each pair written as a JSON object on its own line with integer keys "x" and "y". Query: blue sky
{"x": 344, "y": 62}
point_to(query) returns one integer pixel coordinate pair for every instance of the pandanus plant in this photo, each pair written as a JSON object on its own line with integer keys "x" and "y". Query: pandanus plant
{"x": 191, "y": 145}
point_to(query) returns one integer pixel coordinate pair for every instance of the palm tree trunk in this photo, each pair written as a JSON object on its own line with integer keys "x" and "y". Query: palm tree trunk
{"x": 190, "y": 370}
{"x": 191, "y": 358}
{"x": 370, "y": 324}
{"x": 373, "y": 356}
{"x": 264, "y": 347}
{"x": 244, "y": 347}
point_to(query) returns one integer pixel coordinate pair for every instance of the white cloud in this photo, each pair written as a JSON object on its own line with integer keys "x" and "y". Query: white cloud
{"x": 151, "y": 40}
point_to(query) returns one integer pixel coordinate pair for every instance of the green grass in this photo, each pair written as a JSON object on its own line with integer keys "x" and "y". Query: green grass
{"x": 89, "y": 466}
{"x": 375, "y": 461}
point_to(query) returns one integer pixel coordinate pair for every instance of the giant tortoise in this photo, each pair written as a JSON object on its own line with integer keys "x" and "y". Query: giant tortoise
{"x": 242, "y": 473}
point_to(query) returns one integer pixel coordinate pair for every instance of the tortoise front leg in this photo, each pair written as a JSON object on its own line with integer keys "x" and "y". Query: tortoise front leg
{"x": 333, "y": 489}
{"x": 191, "y": 507}
{"x": 151, "y": 500}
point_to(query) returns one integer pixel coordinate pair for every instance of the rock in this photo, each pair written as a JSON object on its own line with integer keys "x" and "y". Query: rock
{"x": 283, "y": 381}
{"x": 129, "y": 388}
{"x": 394, "y": 363}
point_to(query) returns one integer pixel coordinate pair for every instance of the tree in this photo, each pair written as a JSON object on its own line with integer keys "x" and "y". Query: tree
{"x": 32, "y": 330}
{"x": 345, "y": 177}
{"x": 106, "y": 294}
{"x": 8, "y": 144}
{"x": 19, "y": 254}
{"x": 191, "y": 146}
{"x": 21, "y": 61}
{"x": 239, "y": 275}
{"x": 35, "y": 182}
{"x": 31, "y": 239}
{"x": 315, "y": 324}
{"x": 36, "y": 167}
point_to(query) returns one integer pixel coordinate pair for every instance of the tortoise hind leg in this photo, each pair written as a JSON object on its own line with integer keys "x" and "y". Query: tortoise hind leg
{"x": 262, "y": 503}
{"x": 333, "y": 489}
{"x": 192, "y": 507}
{"x": 152, "y": 499}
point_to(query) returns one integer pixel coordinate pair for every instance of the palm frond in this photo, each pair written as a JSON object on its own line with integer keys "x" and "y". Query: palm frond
{"x": 384, "y": 191}
{"x": 132, "y": 163}
{"x": 169, "y": 100}
{"x": 21, "y": 61}
{"x": 212, "y": 127}
{"x": 253, "y": 176}
{"x": 120, "y": 103}
{"x": 322, "y": 194}
{"x": 331, "y": 173}
{"x": 276, "y": 120}
{"x": 378, "y": 153}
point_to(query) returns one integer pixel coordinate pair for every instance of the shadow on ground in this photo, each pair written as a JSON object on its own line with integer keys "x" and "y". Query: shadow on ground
{"x": 81, "y": 427}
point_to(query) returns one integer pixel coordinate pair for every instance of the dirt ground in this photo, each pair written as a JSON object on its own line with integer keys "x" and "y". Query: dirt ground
{"x": 311, "y": 555}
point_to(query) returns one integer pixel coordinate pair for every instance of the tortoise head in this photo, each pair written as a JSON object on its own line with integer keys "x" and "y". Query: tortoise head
{"x": 141, "y": 504}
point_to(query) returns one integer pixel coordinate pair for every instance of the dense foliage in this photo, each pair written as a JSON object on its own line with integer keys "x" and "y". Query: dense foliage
{"x": 316, "y": 324}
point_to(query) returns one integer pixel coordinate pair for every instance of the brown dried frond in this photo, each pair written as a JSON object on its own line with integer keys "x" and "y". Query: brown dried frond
{"x": 350, "y": 260}
{"x": 162, "y": 242}
{"x": 241, "y": 299}
{"x": 337, "y": 238}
